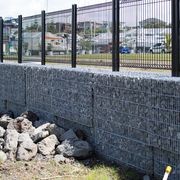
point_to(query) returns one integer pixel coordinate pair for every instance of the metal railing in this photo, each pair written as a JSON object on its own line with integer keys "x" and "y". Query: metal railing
{"x": 134, "y": 33}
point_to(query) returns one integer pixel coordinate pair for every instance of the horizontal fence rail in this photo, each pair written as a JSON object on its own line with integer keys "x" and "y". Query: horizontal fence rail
{"x": 134, "y": 33}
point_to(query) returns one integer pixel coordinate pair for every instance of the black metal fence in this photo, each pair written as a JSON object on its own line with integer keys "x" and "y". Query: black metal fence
{"x": 126, "y": 33}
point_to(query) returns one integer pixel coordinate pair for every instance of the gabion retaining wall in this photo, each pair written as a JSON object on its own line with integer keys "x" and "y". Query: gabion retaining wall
{"x": 131, "y": 118}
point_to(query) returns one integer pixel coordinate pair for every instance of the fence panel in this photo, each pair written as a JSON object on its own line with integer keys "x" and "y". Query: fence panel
{"x": 31, "y": 39}
{"x": 145, "y": 34}
{"x": 10, "y": 39}
{"x": 58, "y": 37}
{"x": 94, "y": 35}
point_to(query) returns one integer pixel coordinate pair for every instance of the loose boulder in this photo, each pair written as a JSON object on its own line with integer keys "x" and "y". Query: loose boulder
{"x": 78, "y": 149}
{"x": 54, "y": 129}
{"x": 30, "y": 116}
{"x": 3, "y": 157}
{"x": 11, "y": 143}
{"x": 1, "y": 143}
{"x": 40, "y": 133}
{"x": 7, "y": 113}
{"x": 41, "y": 128}
{"x": 2, "y": 132}
{"x": 47, "y": 145}
{"x": 80, "y": 134}
{"x": 27, "y": 149}
{"x": 5, "y": 120}
{"x": 59, "y": 158}
{"x": 22, "y": 125}
{"x": 40, "y": 136}
{"x": 69, "y": 135}
{"x": 11, "y": 140}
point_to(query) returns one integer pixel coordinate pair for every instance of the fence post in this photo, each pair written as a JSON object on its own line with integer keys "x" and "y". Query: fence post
{"x": 115, "y": 35}
{"x": 43, "y": 41}
{"x": 175, "y": 38}
{"x": 20, "y": 39}
{"x": 74, "y": 32}
{"x": 1, "y": 39}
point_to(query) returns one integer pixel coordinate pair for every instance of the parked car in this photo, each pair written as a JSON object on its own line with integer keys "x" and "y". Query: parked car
{"x": 124, "y": 50}
{"x": 159, "y": 48}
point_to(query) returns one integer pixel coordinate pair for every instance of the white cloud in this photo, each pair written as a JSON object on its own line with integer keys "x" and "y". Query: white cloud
{"x": 12, "y": 8}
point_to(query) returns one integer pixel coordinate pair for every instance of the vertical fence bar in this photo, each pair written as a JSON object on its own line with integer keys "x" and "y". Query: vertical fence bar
{"x": 74, "y": 32}
{"x": 1, "y": 39}
{"x": 20, "y": 39}
{"x": 175, "y": 38}
{"x": 43, "y": 41}
{"x": 115, "y": 35}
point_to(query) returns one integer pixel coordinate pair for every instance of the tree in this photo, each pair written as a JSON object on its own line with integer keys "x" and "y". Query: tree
{"x": 85, "y": 44}
{"x": 49, "y": 47}
{"x": 51, "y": 28}
{"x": 153, "y": 23}
{"x": 168, "y": 41}
{"x": 35, "y": 27}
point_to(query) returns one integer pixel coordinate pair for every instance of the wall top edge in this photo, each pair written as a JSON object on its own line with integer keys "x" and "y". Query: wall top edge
{"x": 108, "y": 73}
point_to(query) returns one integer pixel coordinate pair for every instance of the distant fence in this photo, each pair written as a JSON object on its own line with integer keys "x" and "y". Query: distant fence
{"x": 134, "y": 33}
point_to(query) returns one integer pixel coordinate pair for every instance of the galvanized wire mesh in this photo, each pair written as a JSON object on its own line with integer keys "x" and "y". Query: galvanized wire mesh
{"x": 145, "y": 34}
{"x": 31, "y": 38}
{"x": 10, "y": 39}
{"x": 94, "y": 36}
{"x": 58, "y": 37}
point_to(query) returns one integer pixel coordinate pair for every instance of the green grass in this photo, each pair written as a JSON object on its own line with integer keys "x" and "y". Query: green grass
{"x": 127, "y": 56}
{"x": 85, "y": 57}
{"x": 103, "y": 173}
{"x": 46, "y": 170}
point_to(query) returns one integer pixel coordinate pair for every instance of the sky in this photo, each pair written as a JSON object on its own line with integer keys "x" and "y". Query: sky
{"x": 13, "y": 8}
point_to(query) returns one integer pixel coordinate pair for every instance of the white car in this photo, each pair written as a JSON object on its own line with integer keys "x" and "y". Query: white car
{"x": 159, "y": 48}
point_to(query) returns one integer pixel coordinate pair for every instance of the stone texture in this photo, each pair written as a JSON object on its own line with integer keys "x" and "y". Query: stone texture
{"x": 4, "y": 121}
{"x": 11, "y": 143}
{"x": 60, "y": 92}
{"x": 54, "y": 129}
{"x": 124, "y": 112}
{"x": 75, "y": 148}
{"x": 40, "y": 133}
{"x": 2, "y": 131}
{"x": 40, "y": 136}
{"x": 9, "y": 114}
{"x": 1, "y": 143}
{"x": 3, "y": 157}
{"x": 31, "y": 116}
{"x": 22, "y": 125}
{"x": 59, "y": 158}
{"x": 41, "y": 128}
{"x": 81, "y": 134}
{"x": 11, "y": 140}
{"x": 146, "y": 177}
{"x": 69, "y": 135}
{"x": 175, "y": 173}
{"x": 13, "y": 83}
{"x": 27, "y": 149}
{"x": 47, "y": 145}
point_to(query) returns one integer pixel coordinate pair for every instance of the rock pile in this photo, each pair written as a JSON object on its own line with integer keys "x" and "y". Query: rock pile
{"x": 21, "y": 140}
